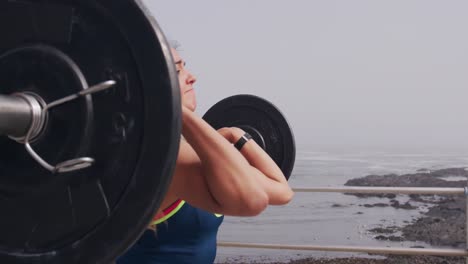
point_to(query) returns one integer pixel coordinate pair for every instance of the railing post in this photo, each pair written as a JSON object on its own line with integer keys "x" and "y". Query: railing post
{"x": 466, "y": 222}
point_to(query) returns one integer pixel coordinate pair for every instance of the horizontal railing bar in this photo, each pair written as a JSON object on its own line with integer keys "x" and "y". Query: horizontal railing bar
{"x": 394, "y": 190}
{"x": 372, "y": 250}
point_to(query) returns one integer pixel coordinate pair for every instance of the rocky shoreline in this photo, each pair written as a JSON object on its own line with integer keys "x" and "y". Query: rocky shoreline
{"x": 442, "y": 225}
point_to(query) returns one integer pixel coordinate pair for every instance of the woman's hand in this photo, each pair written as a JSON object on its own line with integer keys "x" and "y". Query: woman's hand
{"x": 212, "y": 174}
{"x": 271, "y": 177}
{"x": 232, "y": 134}
{"x": 228, "y": 133}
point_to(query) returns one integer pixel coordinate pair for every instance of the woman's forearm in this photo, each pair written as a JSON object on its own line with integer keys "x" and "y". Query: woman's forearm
{"x": 228, "y": 174}
{"x": 275, "y": 183}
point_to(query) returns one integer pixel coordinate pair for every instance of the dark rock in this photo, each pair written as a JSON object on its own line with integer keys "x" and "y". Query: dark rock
{"x": 389, "y": 238}
{"x": 383, "y": 230}
{"x": 406, "y": 205}
{"x": 375, "y": 205}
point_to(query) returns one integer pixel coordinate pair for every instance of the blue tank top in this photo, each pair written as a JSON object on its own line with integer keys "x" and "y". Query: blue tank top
{"x": 187, "y": 236}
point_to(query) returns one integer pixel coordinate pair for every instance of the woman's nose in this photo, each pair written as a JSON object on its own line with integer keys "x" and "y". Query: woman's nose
{"x": 191, "y": 79}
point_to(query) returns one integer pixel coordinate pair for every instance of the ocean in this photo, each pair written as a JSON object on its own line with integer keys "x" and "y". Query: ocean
{"x": 332, "y": 218}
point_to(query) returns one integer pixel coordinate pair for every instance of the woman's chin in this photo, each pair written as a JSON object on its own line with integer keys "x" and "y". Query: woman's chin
{"x": 191, "y": 107}
{"x": 191, "y": 104}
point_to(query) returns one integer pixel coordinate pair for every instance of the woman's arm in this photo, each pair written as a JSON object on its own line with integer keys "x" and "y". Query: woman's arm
{"x": 275, "y": 183}
{"x": 213, "y": 175}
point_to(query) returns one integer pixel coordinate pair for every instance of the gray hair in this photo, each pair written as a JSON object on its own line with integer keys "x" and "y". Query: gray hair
{"x": 174, "y": 44}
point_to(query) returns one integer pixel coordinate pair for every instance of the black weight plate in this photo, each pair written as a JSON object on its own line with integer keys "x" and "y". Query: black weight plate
{"x": 261, "y": 119}
{"x": 55, "y": 48}
{"x": 49, "y": 72}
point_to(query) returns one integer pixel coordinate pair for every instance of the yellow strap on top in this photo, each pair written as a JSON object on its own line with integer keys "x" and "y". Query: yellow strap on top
{"x": 164, "y": 218}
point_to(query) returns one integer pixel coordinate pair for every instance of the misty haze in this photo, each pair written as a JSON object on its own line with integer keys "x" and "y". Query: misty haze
{"x": 369, "y": 88}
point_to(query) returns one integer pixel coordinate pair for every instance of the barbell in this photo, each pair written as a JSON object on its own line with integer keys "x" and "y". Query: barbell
{"x": 90, "y": 124}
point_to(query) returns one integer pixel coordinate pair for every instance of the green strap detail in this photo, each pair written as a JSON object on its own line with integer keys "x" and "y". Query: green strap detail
{"x": 164, "y": 218}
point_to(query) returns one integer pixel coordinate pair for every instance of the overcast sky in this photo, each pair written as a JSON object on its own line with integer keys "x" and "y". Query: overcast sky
{"x": 345, "y": 73}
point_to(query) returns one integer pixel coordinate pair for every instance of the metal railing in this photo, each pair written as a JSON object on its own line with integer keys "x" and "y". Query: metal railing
{"x": 374, "y": 250}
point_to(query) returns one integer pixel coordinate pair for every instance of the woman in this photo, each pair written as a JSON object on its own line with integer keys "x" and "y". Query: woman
{"x": 212, "y": 178}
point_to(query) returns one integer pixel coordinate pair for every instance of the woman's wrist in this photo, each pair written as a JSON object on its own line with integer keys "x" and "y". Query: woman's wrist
{"x": 187, "y": 118}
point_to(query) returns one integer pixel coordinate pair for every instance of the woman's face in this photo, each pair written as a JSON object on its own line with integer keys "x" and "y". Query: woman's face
{"x": 186, "y": 81}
